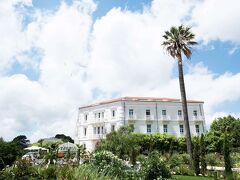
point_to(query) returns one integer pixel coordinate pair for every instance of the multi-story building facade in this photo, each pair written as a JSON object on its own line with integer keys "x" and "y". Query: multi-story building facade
{"x": 148, "y": 115}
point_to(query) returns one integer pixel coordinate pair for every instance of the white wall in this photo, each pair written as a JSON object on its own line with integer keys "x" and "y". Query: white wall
{"x": 139, "y": 119}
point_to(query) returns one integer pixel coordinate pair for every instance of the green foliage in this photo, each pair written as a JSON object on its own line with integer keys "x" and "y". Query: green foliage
{"x": 154, "y": 167}
{"x": 196, "y": 158}
{"x": 49, "y": 172}
{"x": 203, "y": 155}
{"x": 48, "y": 144}
{"x": 109, "y": 164}
{"x": 215, "y": 136}
{"x": 126, "y": 144}
{"x": 21, "y": 170}
{"x": 87, "y": 172}
{"x": 22, "y": 141}
{"x": 64, "y": 138}
{"x": 212, "y": 159}
{"x": 9, "y": 151}
{"x": 180, "y": 164}
{"x": 25, "y": 171}
{"x": 227, "y": 159}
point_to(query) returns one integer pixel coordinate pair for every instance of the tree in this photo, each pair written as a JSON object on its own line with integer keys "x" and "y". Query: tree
{"x": 227, "y": 159}
{"x": 178, "y": 41}
{"x": 215, "y": 137}
{"x": 9, "y": 151}
{"x": 196, "y": 158}
{"x": 22, "y": 141}
{"x": 64, "y": 138}
{"x": 203, "y": 155}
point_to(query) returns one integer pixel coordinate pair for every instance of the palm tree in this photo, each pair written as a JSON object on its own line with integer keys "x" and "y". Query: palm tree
{"x": 178, "y": 41}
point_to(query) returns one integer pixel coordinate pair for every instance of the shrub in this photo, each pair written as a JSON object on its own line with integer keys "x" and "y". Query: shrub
{"x": 48, "y": 173}
{"x": 179, "y": 164}
{"x": 154, "y": 168}
{"x": 211, "y": 159}
{"x": 108, "y": 163}
{"x": 88, "y": 172}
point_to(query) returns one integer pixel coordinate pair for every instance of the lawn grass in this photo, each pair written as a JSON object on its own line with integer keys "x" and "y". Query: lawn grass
{"x": 179, "y": 177}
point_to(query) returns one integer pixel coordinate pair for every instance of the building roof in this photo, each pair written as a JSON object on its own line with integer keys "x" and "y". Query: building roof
{"x": 140, "y": 99}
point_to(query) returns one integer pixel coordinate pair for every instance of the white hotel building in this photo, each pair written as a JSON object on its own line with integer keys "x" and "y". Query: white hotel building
{"x": 148, "y": 115}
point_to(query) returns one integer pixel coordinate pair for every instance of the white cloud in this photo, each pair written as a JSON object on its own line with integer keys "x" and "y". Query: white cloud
{"x": 217, "y": 20}
{"x": 120, "y": 53}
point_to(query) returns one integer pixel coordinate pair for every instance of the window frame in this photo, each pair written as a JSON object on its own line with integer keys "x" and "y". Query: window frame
{"x": 165, "y": 128}
{"x": 181, "y": 128}
{"x": 149, "y": 128}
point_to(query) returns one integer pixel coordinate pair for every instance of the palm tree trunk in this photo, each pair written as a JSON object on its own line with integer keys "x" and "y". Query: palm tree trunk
{"x": 185, "y": 110}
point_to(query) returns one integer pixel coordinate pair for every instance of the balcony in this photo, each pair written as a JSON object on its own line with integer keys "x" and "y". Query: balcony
{"x": 165, "y": 118}
{"x": 197, "y": 118}
{"x": 149, "y": 118}
{"x": 98, "y": 136}
{"x": 132, "y": 118}
{"x": 180, "y": 117}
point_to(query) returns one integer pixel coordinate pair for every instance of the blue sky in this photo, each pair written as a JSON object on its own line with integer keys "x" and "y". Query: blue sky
{"x": 58, "y": 55}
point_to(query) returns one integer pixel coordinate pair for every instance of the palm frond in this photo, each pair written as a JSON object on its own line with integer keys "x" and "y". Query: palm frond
{"x": 179, "y": 40}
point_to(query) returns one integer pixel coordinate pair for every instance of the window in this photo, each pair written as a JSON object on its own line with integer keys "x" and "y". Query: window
{"x": 131, "y": 113}
{"x": 181, "y": 129}
{"x": 98, "y": 130}
{"x": 99, "y": 115}
{"x": 165, "y": 128}
{"x": 102, "y": 130}
{"x": 94, "y": 130}
{"x": 179, "y": 112}
{"x": 148, "y": 112}
{"x": 197, "y": 128}
{"x": 195, "y": 113}
{"x": 164, "y": 112}
{"x": 149, "y": 128}
{"x": 113, "y": 113}
{"x": 95, "y": 115}
{"x": 85, "y": 131}
{"x": 86, "y": 116}
{"x": 113, "y": 128}
{"x": 102, "y": 114}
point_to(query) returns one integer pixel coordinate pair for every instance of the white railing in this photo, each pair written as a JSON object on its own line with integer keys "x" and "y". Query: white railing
{"x": 98, "y": 136}
{"x": 132, "y": 117}
{"x": 149, "y": 117}
{"x": 197, "y": 118}
{"x": 180, "y": 117}
{"x": 164, "y": 117}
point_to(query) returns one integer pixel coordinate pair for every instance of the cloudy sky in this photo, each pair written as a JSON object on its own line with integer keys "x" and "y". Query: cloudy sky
{"x": 57, "y": 55}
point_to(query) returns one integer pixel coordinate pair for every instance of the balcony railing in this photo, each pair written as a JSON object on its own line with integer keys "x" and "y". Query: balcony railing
{"x": 149, "y": 117}
{"x": 165, "y": 117}
{"x": 197, "y": 118}
{"x": 180, "y": 117}
{"x": 132, "y": 117}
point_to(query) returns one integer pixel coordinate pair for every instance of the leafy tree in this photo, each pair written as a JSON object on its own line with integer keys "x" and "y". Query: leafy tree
{"x": 117, "y": 142}
{"x": 178, "y": 41}
{"x": 227, "y": 159}
{"x": 196, "y": 158}
{"x": 64, "y": 138}
{"x": 215, "y": 136}
{"x": 203, "y": 155}
{"x": 22, "y": 141}
{"x": 9, "y": 151}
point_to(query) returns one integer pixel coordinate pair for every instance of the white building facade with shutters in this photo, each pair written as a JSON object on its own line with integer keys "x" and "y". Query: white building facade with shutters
{"x": 148, "y": 115}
